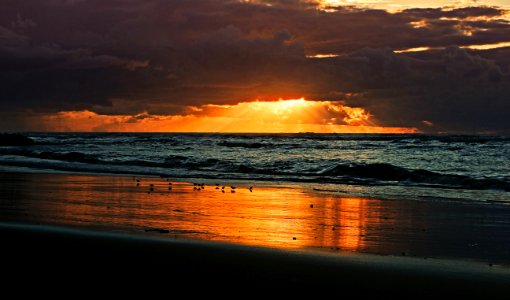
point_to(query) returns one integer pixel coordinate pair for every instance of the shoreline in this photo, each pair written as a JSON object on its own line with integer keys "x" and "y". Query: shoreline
{"x": 190, "y": 179}
{"x": 134, "y": 259}
{"x": 323, "y": 187}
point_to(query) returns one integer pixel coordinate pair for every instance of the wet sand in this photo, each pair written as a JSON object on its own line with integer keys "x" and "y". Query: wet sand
{"x": 289, "y": 218}
{"x": 287, "y": 238}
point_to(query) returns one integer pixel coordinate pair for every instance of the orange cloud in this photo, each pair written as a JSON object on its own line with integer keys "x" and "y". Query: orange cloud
{"x": 297, "y": 115}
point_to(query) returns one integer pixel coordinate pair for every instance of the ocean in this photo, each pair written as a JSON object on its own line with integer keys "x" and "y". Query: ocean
{"x": 474, "y": 168}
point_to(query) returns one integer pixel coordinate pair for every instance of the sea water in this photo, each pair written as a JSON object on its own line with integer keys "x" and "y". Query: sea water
{"x": 410, "y": 166}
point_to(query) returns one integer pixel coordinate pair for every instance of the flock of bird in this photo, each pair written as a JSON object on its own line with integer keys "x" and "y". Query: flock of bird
{"x": 196, "y": 186}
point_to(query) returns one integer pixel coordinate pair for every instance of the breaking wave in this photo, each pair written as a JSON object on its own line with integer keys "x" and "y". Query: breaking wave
{"x": 284, "y": 169}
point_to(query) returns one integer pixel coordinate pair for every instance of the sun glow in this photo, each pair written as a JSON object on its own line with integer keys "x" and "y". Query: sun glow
{"x": 329, "y": 55}
{"x": 416, "y": 49}
{"x": 488, "y": 46}
{"x": 281, "y": 107}
{"x": 282, "y": 116}
{"x": 398, "y": 5}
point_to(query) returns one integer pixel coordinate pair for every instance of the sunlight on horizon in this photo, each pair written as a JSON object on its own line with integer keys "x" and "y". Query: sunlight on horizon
{"x": 282, "y": 116}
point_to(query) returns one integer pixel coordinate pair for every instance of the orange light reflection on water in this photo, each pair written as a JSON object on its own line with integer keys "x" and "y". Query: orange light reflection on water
{"x": 268, "y": 216}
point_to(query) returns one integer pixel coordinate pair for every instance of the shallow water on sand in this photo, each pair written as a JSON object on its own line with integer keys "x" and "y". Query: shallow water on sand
{"x": 278, "y": 216}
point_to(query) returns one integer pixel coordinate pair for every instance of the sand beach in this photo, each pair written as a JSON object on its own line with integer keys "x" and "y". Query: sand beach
{"x": 273, "y": 236}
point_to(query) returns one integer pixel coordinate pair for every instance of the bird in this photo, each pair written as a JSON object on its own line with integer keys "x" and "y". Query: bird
{"x": 169, "y": 183}
{"x": 232, "y": 187}
{"x": 250, "y": 188}
{"x": 223, "y": 187}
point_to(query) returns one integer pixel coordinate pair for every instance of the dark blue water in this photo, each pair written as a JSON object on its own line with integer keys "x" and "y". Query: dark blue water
{"x": 424, "y": 167}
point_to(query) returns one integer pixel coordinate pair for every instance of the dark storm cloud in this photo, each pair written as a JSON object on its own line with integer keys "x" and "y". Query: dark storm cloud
{"x": 453, "y": 89}
{"x": 156, "y": 56}
{"x": 460, "y": 13}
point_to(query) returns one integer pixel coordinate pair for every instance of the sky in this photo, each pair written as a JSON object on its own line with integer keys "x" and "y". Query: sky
{"x": 255, "y": 66}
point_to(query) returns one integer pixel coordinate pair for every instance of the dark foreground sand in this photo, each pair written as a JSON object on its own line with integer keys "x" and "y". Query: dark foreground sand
{"x": 91, "y": 260}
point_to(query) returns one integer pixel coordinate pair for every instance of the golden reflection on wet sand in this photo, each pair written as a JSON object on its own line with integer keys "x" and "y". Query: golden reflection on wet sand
{"x": 267, "y": 216}
{"x": 272, "y": 215}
